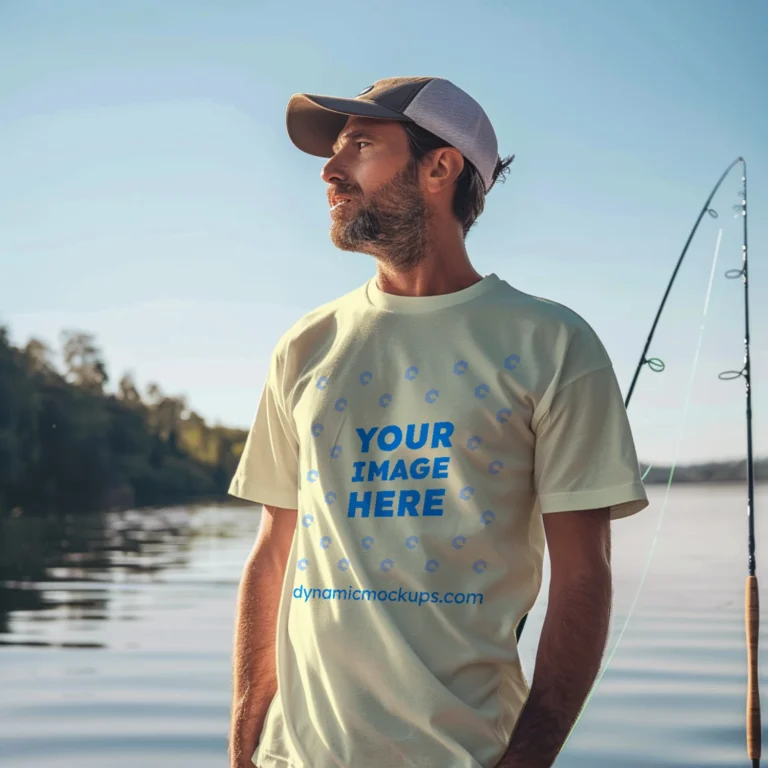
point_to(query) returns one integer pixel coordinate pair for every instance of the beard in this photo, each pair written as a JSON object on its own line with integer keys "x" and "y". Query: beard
{"x": 390, "y": 224}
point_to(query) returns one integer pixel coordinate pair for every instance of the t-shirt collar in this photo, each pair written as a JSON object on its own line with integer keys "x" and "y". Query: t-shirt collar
{"x": 420, "y": 304}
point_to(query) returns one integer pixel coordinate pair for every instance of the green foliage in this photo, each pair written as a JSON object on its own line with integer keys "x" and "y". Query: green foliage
{"x": 82, "y": 358}
{"x": 67, "y": 446}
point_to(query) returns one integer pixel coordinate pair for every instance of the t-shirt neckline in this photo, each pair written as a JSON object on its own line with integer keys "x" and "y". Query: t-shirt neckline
{"x": 421, "y": 304}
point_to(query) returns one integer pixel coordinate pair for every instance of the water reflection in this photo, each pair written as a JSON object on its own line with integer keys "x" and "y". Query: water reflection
{"x": 144, "y": 604}
{"x": 74, "y": 571}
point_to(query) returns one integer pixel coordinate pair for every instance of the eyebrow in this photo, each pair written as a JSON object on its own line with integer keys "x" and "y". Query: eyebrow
{"x": 349, "y": 136}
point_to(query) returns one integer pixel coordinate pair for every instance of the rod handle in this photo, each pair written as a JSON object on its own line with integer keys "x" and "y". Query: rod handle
{"x": 752, "y": 617}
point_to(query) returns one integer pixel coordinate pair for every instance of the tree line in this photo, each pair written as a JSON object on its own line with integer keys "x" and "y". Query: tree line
{"x": 67, "y": 445}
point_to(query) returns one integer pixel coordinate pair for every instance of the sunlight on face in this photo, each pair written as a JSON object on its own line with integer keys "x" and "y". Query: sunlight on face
{"x": 377, "y": 206}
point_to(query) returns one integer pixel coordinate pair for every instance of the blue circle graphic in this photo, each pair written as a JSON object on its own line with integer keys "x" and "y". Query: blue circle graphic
{"x": 512, "y": 362}
{"x": 385, "y": 400}
{"x": 365, "y": 378}
{"x": 335, "y": 451}
{"x": 307, "y": 520}
{"x": 325, "y": 542}
{"x": 322, "y": 382}
{"x": 386, "y": 565}
{"x": 330, "y": 497}
{"x": 431, "y": 396}
{"x": 367, "y": 542}
{"x": 412, "y": 542}
{"x": 460, "y": 367}
{"x": 480, "y": 566}
{"x": 317, "y": 429}
{"x": 487, "y": 517}
{"x": 495, "y": 467}
{"x": 474, "y": 443}
{"x": 482, "y": 391}
{"x": 458, "y": 542}
{"x": 313, "y": 475}
{"x": 431, "y": 566}
{"x": 340, "y": 404}
{"x": 344, "y": 564}
{"x": 303, "y": 564}
{"x": 503, "y": 416}
{"x": 465, "y": 494}
{"x": 411, "y": 373}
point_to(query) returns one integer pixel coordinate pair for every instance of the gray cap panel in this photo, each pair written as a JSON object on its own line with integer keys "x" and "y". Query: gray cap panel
{"x": 445, "y": 110}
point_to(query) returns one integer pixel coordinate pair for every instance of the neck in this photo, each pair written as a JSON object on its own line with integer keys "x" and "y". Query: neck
{"x": 444, "y": 268}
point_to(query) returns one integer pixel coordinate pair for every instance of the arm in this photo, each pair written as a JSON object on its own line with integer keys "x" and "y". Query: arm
{"x": 573, "y": 637}
{"x": 254, "y": 673}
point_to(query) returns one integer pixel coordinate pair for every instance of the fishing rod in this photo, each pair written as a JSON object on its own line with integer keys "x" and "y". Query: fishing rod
{"x": 654, "y": 363}
{"x": 751, "y": 597}
{"x": 752, "y": 603}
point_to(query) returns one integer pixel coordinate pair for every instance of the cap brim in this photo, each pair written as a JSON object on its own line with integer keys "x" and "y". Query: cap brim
{"x": 315, "y": 122}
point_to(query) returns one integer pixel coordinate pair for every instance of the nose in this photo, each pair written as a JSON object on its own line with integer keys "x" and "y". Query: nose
{"x": 332, "y": 172}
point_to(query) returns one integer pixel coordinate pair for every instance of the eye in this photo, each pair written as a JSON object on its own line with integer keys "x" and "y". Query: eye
{"x": 361, "y": 144}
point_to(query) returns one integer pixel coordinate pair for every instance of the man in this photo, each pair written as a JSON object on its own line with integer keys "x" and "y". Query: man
{"x": 417, "y": 442}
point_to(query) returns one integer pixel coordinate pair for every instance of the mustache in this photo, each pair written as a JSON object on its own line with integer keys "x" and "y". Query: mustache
{"x": 348, "y": 190}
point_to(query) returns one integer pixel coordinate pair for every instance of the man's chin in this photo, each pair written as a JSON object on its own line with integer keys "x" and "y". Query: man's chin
{"x": 344, "y": 243}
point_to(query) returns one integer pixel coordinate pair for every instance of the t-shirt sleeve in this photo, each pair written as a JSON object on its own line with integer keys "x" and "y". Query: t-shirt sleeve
{"x": 268, "y": 468}
{"x": 585, "y": 455}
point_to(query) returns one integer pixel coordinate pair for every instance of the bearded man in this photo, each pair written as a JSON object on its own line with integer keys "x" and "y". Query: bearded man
{"x": 418, "y": 443}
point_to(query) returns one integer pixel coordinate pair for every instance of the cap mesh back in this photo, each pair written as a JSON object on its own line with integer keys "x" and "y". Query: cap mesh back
{"x": 445, "y": 110}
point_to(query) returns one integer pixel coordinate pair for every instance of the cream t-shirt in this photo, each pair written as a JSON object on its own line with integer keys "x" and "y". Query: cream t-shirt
{"x": 422, "y": 440}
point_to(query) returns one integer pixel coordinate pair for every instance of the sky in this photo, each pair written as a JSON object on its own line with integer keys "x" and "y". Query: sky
{"x": 149, "y": 193}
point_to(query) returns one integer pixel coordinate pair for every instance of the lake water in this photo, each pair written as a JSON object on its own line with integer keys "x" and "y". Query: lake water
{"x": 116, "y": 632}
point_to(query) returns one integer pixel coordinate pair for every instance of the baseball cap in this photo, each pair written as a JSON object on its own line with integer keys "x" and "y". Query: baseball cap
{"x": 433, "y": 103}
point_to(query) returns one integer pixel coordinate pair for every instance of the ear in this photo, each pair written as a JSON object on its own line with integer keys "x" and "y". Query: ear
{"x": 443, "y": 166}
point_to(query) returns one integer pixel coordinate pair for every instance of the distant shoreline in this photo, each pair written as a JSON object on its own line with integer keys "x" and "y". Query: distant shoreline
{"x": 75, "y": 446}
{"x": 709, "y": 472}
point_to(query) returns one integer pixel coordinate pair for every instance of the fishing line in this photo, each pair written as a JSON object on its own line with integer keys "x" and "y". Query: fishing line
{"x": 656, "y": 365}
{"x": 646, "y": 569}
